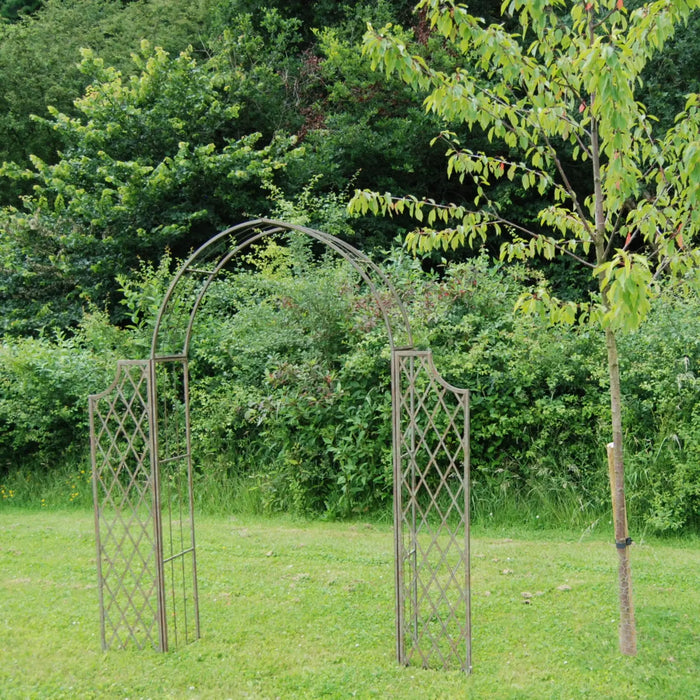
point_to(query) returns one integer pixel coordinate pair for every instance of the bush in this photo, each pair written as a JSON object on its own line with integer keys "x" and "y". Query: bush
{"x": 298, "y": 402}
{"x": 283, "y": 392}
{"x": 43, "y": 400}
{"x": 662, "y": 413}
{"x": 290, "y": 388}
{"x": 133, "y": 179}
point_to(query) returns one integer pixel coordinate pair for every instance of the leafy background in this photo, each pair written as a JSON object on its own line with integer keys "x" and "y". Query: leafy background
{"x": 132, "y": 132}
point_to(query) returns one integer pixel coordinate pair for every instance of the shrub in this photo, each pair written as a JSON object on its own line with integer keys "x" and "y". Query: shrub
{"x": 43, "y": 399}
{"x": 662, "y": 400}
{"x": 290, "y": 389}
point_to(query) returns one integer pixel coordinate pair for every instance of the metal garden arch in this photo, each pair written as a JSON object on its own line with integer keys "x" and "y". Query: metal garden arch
{"x": 142, "y": 475}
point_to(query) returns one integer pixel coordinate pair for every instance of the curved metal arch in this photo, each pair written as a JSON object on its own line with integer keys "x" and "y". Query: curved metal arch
{"x": 156, "y": 591}
{"x": 210, "y": 258}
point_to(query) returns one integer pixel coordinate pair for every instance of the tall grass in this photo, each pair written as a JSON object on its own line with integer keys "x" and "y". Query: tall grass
{"x": 69, "y": 486}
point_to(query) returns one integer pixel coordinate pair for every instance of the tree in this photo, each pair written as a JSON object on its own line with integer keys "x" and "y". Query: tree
{"x": 39, "y": 56}
{"x": 12, "y": 9}
{"x": 559, "y": 96}
{"x": 152, "y": 162}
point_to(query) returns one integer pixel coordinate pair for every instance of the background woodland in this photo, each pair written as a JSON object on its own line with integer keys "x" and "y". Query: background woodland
{"x": 131, "y": 132}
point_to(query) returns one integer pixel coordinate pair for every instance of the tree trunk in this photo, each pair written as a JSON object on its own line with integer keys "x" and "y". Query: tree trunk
{"x": 628, "y": 632}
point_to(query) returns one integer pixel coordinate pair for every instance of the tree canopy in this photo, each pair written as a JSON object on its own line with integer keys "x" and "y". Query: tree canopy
{"x": 564, "y": 95}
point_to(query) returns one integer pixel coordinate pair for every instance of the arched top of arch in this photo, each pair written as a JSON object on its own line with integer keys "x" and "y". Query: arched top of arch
{"x": 174, "y": 323}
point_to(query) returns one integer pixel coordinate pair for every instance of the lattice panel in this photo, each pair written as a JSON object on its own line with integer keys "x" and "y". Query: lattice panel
{"x": 431, "y": 515}
{"x": 142, "y": 475}
{"x": 127, "y": 547}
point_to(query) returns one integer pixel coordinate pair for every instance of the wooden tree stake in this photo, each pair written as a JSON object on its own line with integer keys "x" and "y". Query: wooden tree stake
{"x": 628, "y": 633}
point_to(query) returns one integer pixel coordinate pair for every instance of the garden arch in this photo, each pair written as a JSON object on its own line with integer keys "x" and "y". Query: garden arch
{"x": 143, "y": 490}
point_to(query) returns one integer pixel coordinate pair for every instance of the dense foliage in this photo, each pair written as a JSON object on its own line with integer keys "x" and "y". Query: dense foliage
{"x": 39, "y": 56}
{"x": 134, "y": 178}
{"x": 291, "y": 393}
{"x": 132, "y": 132}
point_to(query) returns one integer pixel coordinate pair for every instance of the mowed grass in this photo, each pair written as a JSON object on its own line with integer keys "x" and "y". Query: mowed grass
{"x": 306, "y": 610}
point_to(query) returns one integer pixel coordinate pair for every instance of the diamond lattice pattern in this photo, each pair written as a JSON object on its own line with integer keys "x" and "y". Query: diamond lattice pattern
{"x": 434, "y": 507}
{"x": 122, "y": 475}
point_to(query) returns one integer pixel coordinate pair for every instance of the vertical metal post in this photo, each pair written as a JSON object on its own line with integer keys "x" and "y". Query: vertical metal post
{"x": 467, "y": 532}
{"x": 190, "y": 490}
{"x": 398, "y": 506}
{"x": 96, "y": 509}
{"x": 157, "y": 516}
{"x": 413, "y": 552}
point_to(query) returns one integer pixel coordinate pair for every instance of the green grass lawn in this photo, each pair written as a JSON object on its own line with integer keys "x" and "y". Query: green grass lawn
{"x": 305, "y": 610}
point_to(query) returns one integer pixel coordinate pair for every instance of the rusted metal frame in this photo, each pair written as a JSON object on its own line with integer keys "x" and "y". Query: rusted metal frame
{"x": 353, "y": 255}
{"x": 427, "y": 588}
{"x": 163, "y": 419}
{"x": 403, "y": 482}
{"x": 187, "y": 550}
{"x": 366, "y": 268}
{"x": 408, "y": 369}
{"x": 219, "y": 266}
{"x": 462, "y": 396}
{"x": 181, "y": 374}
{"x": 173, "y": 620}
{"x": 345, "y": 250}
{"x": 120, "y": 418}
{"x": 177, "y": 371}
{"x": 440, "y": 448}
{"x": 96, "y": 510}
{"x": 404, "y": 454}
{"x": 179, "y": 541}
{"x": 106, "y": 456}
{"x": 466, "y": 490}
{"x": 348, "y": 252}
{"x": 157, "y": 515}
{"x": 463, "y": 555}
{"x": 190, "y": 490}
{"x": 413, "y": 489}
{"x": 146, "y": 566}
{"x": 212, "y": 246}
{"x": 406, "y": 478}
{"x": 120, "y": 619}
{"x": 124, "y": 491}
{"x": 398, "y": 508}
{"x": 217, "y": 243}
{"x": 413, "y": 551}
{"x": 443, "y": 562}
{"x": 122, "y": 460}
{"x": 120, "y": 529}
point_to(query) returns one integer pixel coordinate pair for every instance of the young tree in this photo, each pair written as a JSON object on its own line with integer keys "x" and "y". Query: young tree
{"x": 561, "y": 97}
